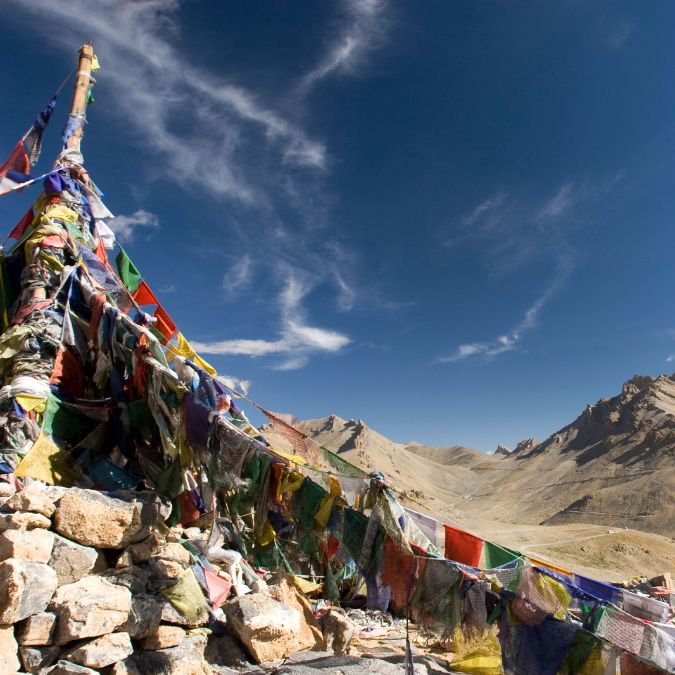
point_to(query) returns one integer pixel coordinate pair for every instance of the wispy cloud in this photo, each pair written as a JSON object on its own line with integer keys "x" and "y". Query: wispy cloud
{"x": 152, "y": 85}
{"x": 615, "y": 32}
{"x": 127, "y": 227}
{"x": 511, "y": 340}
{"x": 238, "y": 277}
{"x": 228, "y": 138}
{"x": 297, "y": 339}
{"x": 235, "y": 383}
{"x": 362, "y": 30}
{"x": 516, "y": 232}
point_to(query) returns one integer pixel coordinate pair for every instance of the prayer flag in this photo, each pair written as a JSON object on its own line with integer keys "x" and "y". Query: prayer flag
{"x": 129, "y": 275}
{"x": 33, "y": 139}
{"x": 15, "y": 169}
{"x": 144, "y": 296}
{"x": 462, "y": 547}
{"x": 184, "y": 349}
{"x": 165, "y": 324}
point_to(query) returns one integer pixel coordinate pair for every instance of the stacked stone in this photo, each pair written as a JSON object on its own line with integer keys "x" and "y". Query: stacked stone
{"x": 81, "y": 575}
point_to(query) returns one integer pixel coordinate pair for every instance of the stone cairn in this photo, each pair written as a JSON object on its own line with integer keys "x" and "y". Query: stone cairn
{"x": 91, "y": 582}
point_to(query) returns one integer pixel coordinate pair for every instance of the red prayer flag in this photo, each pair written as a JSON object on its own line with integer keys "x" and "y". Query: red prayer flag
{"x": 219, "y": 588}
{"x": 100, "y": 252}
{"x": 21, "y": 226}
{"x": 17, "y": 161}
{"x": 144, "y": 296}
{"x": 462, "y": 547}
{"x": 165, "y": 324}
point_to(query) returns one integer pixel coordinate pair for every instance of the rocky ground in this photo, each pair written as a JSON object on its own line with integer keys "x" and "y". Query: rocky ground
{"x": 95, "y": 583}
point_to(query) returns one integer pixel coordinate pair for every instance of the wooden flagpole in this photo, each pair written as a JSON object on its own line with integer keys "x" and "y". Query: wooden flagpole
{"x": 80, "y": 92}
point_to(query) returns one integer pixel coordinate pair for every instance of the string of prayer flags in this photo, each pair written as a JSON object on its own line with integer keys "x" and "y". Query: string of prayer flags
{"x": 462, "y": 546}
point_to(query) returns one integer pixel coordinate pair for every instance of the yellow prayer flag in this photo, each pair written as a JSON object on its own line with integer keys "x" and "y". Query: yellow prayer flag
{"x": 47, "y": 462}
{"x": 184, "y": 349}
{"x": 29, "y": 402}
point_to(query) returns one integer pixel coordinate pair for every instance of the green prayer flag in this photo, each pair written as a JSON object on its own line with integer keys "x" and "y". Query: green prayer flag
{"x": 496, "y": 556}
{"x": 129, "y": 275}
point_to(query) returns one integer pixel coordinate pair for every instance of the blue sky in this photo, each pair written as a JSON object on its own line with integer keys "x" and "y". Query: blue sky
{"x": 453, "y": 219}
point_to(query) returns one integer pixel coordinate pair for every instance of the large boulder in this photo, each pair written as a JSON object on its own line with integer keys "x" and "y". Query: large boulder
{"x": 269, "y": 629}
{"x": 90, "y": 607}
{"x": 26, "y": 588}
{"x": 102, "y": 652}
{"x": 287, "y": 592}
{"x": 92, "y": 519}
{"x": 9, "y": 661}
{"x": 33, "y": 545}
{"x": 71, "y": 561}
{"x": 36, "y": 630}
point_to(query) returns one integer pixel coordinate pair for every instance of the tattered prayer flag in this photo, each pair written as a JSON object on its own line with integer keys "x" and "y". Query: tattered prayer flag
{"x": 129, "y": 275}
{"x": 144, "y": 296}
{"x": 33, "y": 139}
{"x": 16, "y": 163}
{"x": 283, "y": 426}
{"x": 462, "y": 547}
{"x": 165, "y": 324}
{"x": 47, "y": 462}
{"x": 186, "y": 596}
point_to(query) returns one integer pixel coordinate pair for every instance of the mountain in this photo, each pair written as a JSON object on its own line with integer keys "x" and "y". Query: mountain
{"x": 614, "y": 465}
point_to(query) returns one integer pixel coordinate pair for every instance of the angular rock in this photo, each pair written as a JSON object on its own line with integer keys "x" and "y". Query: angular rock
{"x": 142, "y": 551}
{"x": 71, "y": 561}
{"x": 269, "y": 629}
{"x": 163, "y": 638}
{"x": 338, "y": 631}
{"x": 9, "y": 661}
{"x": 166, "y": 570}
{"x": 63, "y": 667}
{"x": 26, "y": 588}
{"x": 90, "y": 607}
{"x": 102, "y": 652}
{"x": 171, "y": 615}
{"x": 287, "y": 592}
{"x": 171, "y": 551}
{"x": 92, "y": 519}
{"x": 23, "y": 520}
{"x": 6, "y": 489}
{"x": 144, "y": 617}
{"x": 186, "y": 659}
{"x": 152, "y": 509}
{"x": 32, "y": 500}
{"x": 34, "y": 659}
{"x": 33, "y": 545}
{"x": 36, "y": 630}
